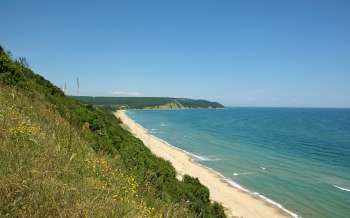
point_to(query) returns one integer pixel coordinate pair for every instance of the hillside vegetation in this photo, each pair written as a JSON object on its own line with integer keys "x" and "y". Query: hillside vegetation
{"x": 46, "y": 168}
{"x": 148, "y": 102}
{"x": 59, "y": 157}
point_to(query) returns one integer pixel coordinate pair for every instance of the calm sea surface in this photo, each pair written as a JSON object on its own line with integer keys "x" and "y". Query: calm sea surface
{"x": 298, "y": 158}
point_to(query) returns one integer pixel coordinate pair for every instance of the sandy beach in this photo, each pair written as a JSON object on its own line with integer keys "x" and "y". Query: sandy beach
{"x": 237, "y": 202}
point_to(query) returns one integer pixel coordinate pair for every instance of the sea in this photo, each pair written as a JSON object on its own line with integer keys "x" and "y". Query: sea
{"x": 295, "y": 158}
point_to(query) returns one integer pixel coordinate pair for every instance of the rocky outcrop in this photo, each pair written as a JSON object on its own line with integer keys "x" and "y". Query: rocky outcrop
{"x": 171, "y": 105}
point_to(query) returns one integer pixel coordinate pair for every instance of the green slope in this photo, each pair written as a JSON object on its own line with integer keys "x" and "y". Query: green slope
{"x": 60, "y": 157}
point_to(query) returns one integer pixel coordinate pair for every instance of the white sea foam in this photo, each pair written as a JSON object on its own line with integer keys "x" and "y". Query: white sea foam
{"x": 236, "y": 185}
{"x": 263, "y": 168}
{"x": 341, "y": 188}
{"x": 194, "y": 156}
{"x": 257, "y": 194}
{"x": 163, "y": 124}
{"x": 199, "y": 157}
{"x": 244, "y": 173}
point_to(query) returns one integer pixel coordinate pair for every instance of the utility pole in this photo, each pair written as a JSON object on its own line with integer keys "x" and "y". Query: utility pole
{"x": 77, "y": 85}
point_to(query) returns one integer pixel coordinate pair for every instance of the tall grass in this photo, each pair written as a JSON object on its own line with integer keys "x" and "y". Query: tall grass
{"x": 46, "y": 169}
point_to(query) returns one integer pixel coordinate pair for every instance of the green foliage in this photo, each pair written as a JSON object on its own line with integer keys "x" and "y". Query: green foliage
{"x": 155, "y": 177}
{"x": 198, "y": 196}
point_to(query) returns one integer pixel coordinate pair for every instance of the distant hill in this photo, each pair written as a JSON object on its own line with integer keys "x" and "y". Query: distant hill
{"x": 148, "y": 102}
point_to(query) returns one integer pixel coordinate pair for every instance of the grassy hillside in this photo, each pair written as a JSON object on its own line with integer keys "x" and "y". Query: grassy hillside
{"x": 47, "y": 168}
{"x": 147, "y": 102}
{"x": 59, "y": 157}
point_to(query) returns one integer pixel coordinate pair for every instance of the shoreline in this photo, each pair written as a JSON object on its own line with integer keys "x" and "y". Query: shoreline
{"x": 237, "y": 200}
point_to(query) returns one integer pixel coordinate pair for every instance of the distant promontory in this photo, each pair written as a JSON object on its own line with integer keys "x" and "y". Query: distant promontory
{"x": 148, "y": 102}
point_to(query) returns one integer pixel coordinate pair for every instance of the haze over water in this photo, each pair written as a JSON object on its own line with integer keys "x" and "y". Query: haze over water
{"x": 299, "y": 158}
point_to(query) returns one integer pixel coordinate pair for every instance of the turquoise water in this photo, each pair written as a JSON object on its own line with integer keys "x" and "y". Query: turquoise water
{"x": 298, "y": 158}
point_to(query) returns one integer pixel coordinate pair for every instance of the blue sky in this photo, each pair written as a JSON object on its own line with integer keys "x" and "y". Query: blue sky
{"x": 241, "y": 53}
